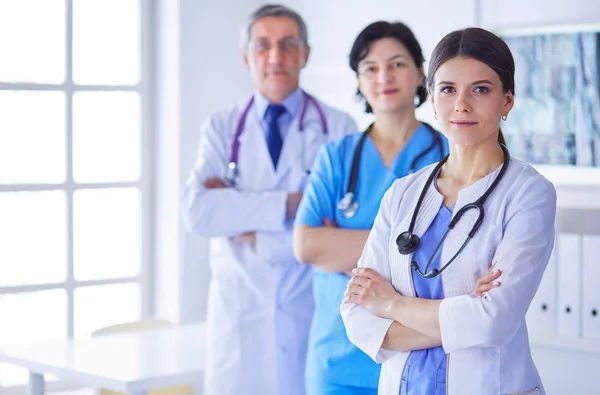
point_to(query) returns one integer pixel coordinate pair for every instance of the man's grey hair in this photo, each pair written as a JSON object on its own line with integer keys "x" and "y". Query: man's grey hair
{"x": 276, "y": 10}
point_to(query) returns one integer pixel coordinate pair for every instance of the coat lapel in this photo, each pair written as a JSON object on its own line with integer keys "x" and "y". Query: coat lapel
{"x": 300, "y": 147}
{"x": 256, "y": 168}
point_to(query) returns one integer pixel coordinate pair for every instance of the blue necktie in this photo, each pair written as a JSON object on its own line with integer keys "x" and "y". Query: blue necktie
{"x": 274, "y": 140}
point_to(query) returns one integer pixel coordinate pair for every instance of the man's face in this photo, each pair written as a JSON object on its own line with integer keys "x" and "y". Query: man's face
{"x": 275, "y": 55}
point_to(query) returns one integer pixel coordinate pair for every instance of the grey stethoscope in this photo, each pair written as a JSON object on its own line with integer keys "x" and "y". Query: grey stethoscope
{"x": 408, "y": 242}
{"x": 232, "y": 174}
{"x": 348, "y": 205}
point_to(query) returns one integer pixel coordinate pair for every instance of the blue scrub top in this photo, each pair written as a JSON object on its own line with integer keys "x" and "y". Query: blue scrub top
{"x": 331, "y": 357}
{"x": 425, "y": 370}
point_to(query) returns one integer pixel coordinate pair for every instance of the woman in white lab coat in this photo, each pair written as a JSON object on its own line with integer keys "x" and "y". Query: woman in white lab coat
{"x": 409, "y": 304}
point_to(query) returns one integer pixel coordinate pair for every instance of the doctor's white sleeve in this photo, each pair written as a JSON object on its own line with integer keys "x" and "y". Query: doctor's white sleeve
{"x": 276, "y": 247}
{"x": 522, "y": 255}
{"x": 226, "y": 211}
{"x": 365, "y": 330}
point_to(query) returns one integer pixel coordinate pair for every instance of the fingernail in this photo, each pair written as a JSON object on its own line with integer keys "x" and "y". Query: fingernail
{"x": 496, "y": 271}
{"x": 496, "y": 283}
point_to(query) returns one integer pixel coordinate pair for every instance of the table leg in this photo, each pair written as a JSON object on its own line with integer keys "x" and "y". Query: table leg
{"x": 36, "y": 384}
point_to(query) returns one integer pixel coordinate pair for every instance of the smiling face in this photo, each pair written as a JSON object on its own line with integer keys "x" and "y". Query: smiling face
{"x": 275, "y": 55}
{"x": 388, "y": 77}
{"x": 469, "y": 100}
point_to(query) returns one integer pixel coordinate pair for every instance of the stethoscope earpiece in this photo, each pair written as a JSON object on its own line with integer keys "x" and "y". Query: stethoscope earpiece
{"x": 433, "y": 273}
{"x": 407, "y": 242}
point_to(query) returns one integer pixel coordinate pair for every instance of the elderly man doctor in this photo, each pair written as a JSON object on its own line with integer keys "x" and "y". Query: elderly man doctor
{"x": 243, "y": 192}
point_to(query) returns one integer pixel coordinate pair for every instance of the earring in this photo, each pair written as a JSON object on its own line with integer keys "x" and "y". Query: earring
{"x": 504, "y": 117}
{"x": 435, "y": 116}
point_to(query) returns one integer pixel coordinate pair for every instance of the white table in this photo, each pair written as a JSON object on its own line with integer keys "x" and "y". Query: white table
{"x": 129, "y": 362}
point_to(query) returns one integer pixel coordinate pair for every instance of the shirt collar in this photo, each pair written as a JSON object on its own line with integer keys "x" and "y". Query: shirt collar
{"x": 291, "y": 103}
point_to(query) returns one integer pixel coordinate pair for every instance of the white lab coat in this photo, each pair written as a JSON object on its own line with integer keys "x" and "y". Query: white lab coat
{"x": 485, "y": 337}
{"x": 260, "y": 298}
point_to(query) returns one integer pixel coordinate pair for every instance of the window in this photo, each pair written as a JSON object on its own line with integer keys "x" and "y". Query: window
{"x": 74, "y": 179}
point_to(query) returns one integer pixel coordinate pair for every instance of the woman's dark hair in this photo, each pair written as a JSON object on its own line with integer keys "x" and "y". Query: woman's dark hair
{"x": 479, "y": 44}
{"x": 382, "y": 29}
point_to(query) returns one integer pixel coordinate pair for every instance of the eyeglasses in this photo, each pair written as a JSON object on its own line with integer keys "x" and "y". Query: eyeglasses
{"x": 371, "y": 70}
{"x": 286, "y": 44}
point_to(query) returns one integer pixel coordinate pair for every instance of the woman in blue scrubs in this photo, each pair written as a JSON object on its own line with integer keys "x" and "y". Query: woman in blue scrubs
{"x": 388, "y": 62}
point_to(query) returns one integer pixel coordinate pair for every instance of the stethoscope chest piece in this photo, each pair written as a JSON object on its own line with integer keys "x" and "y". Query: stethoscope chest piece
{"x": 407, "y": 242}
{"x": 348, "y": 206}
{"x": 232, "y": 174}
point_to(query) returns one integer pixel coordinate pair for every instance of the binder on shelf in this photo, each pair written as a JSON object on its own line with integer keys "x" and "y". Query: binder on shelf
{"x": 590, "y": 311}
{"x": 569, "y": 274}
{"x": 542, "y": 313}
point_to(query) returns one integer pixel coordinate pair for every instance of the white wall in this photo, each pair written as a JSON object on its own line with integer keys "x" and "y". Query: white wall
{"x": 199, "y": 70}
{"x": 524, "y": 13}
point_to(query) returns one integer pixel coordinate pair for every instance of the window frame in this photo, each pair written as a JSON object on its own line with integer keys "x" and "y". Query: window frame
{"x": 145, "y": 88}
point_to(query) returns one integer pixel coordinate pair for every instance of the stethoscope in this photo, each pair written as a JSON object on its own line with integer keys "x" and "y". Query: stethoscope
{"x": 408, "y": 242}
{"x": 348, "y": 205}
{"x": 232, "y": 173}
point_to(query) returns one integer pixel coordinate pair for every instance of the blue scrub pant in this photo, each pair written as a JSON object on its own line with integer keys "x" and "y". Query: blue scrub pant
{"x": 318, "y": 387}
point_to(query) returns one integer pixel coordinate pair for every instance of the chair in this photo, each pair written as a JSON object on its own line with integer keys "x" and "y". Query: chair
{"x": 143, "y": 325}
